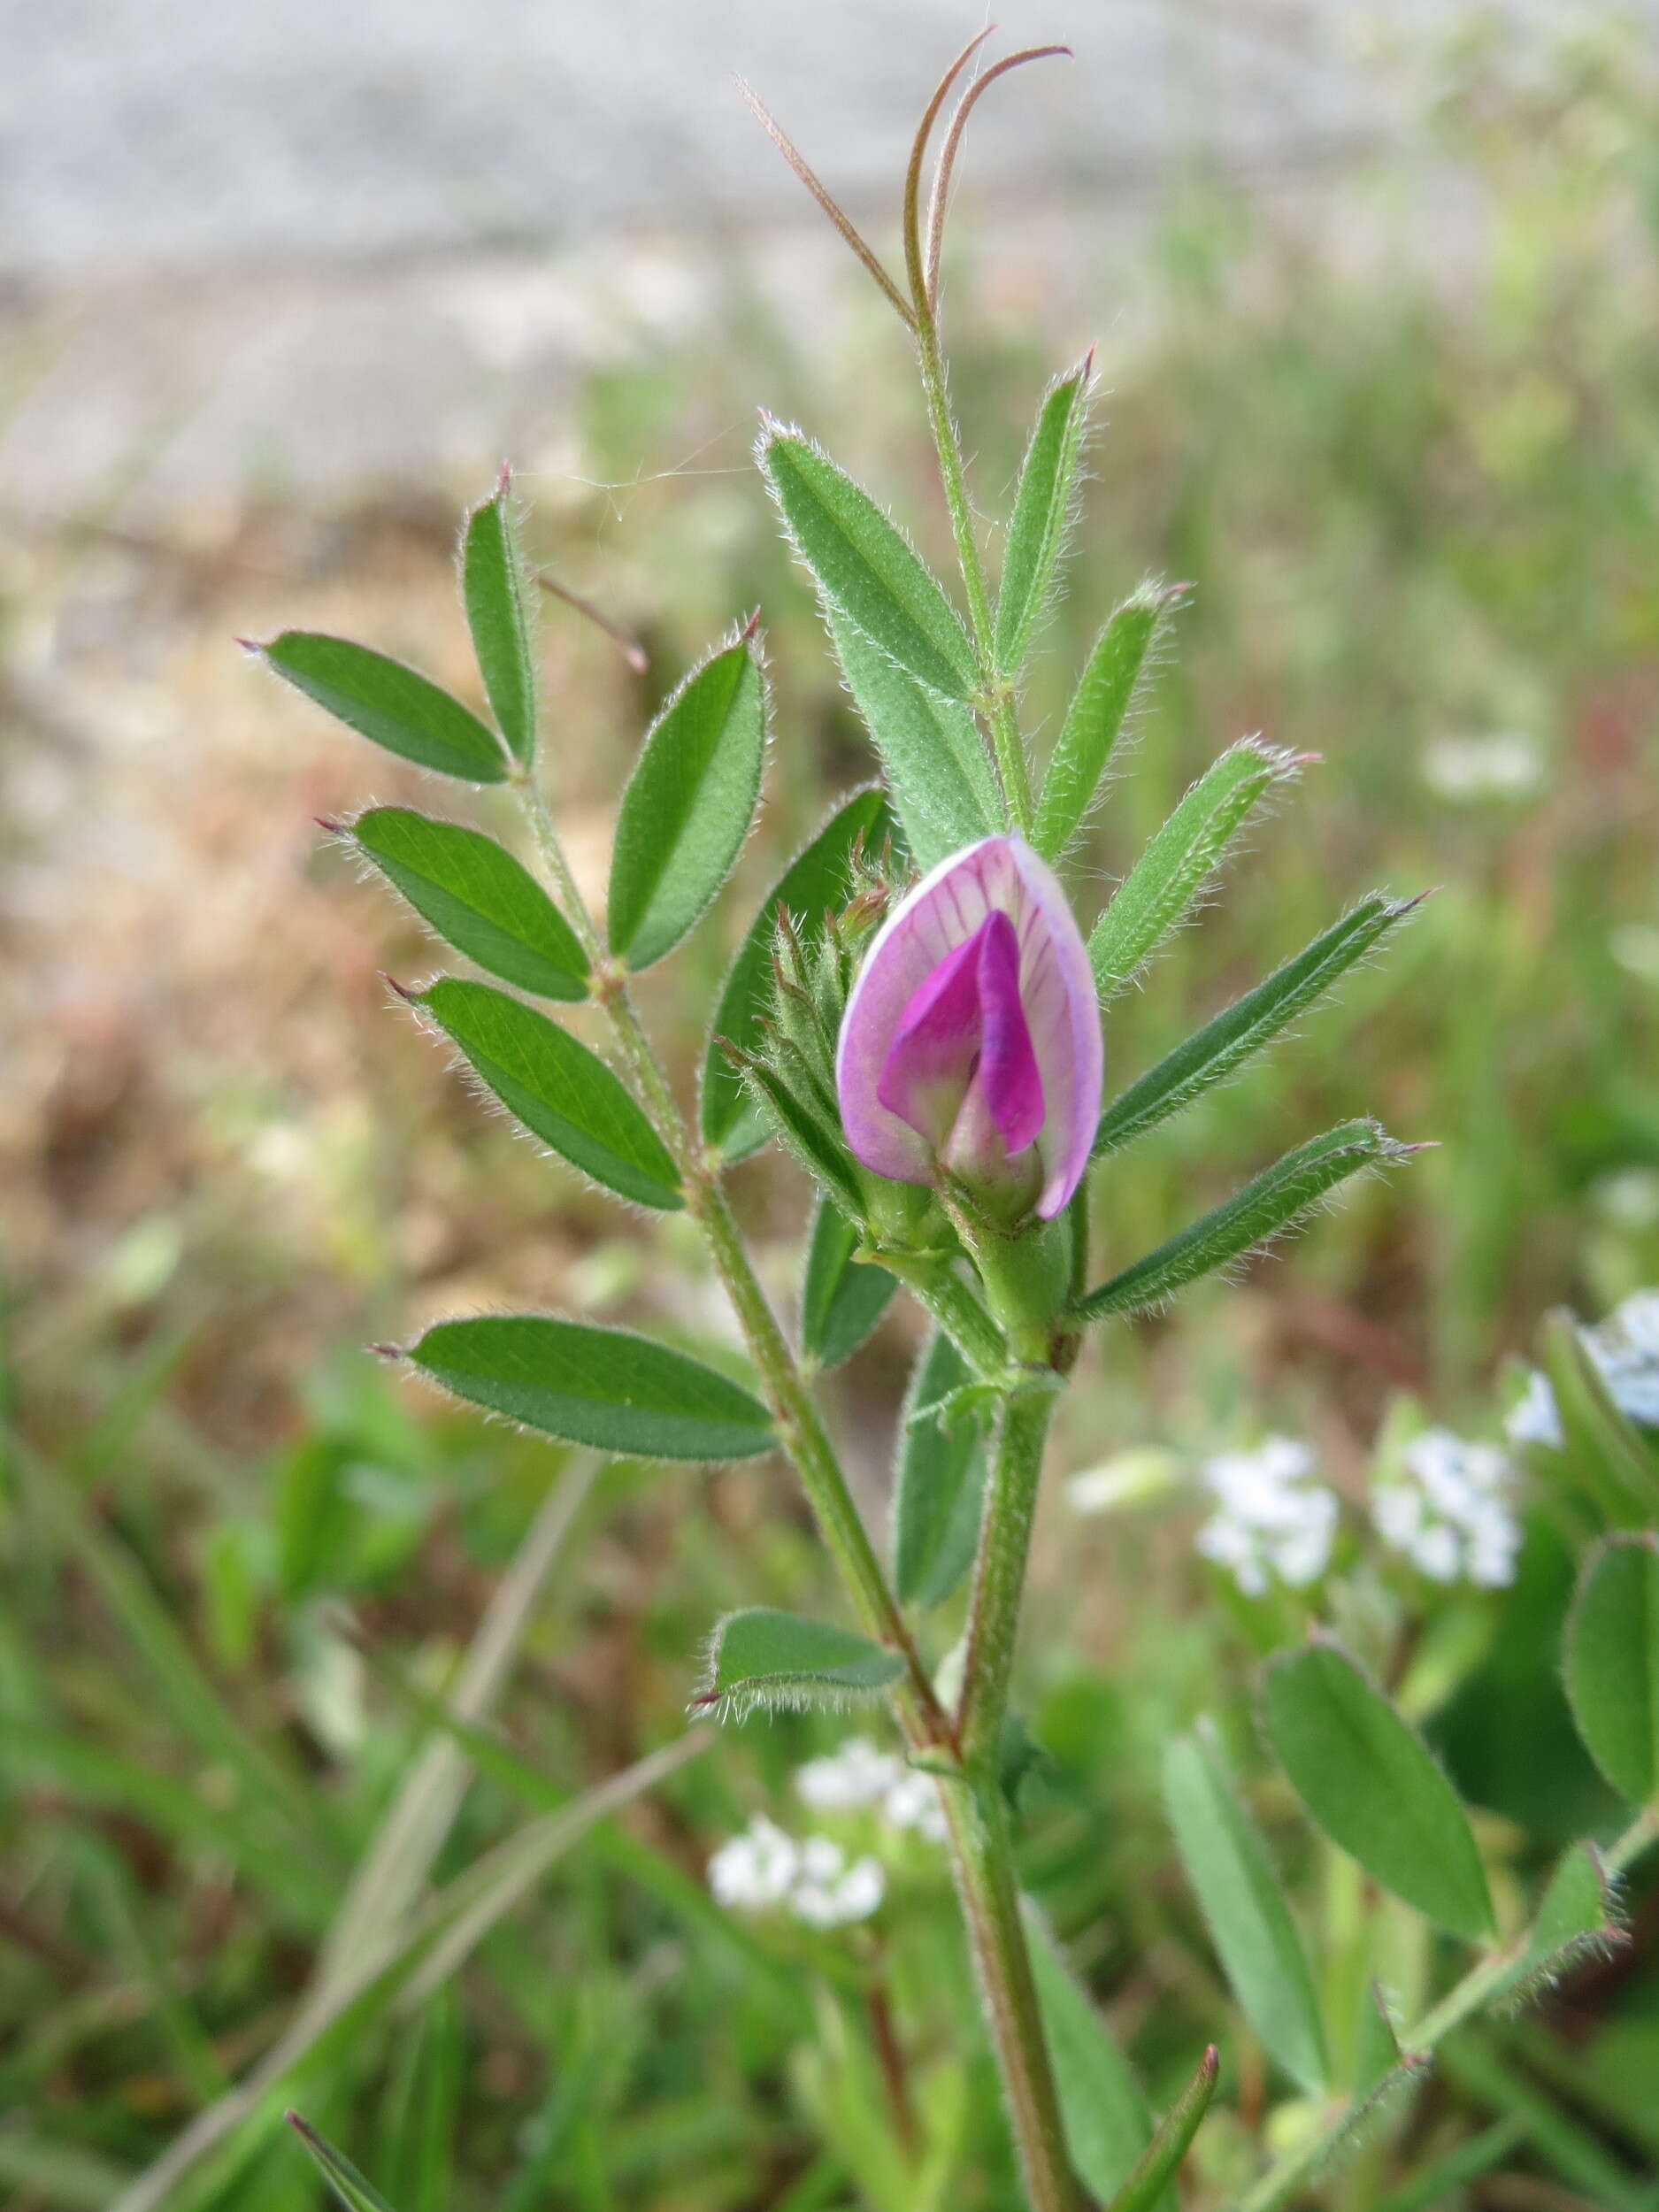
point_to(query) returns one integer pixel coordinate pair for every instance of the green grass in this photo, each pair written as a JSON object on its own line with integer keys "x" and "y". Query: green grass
{"x": 240, "y": 1583}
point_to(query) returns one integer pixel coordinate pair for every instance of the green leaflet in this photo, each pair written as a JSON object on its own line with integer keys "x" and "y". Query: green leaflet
{"x": 1180, "y": 860}
{"x": 938, "y": 1484}
{"x": 605, "y": 1388}
{"x": 1101, "y": 2109}
{"x": 864, "y": 566}
{"x": 1575, "y": 1917}
{"x": 1366, "y": 1778}
{"x": 1096, "y": 717}
{"x": 841, "y": 1298}
{"x": 1612, "y": 1664}
{"x": 760, "y": 1657}
{"x": 687, "y": 807}
{"x": 1161, "y": 2161}
{"x": 500, "y": 613}
{"x": 383, "y": 700}
{"x": 944, "y": 791}
{"x": 1212, "y": 1054}
{"x": 1262, "y": 1209}
{"x": 345, "y": 2182}
{"x": 816, "y": 881}
{"x": 1042, "y": 512}
{"x": 477, "y": 897}
{"x": 560, "y": 1091}
{"x": 1245, "y": 1910}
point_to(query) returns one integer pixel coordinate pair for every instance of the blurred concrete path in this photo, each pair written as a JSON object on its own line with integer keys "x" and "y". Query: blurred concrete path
{"x": 177, "y": 130}
{"x": 327, "y": 243}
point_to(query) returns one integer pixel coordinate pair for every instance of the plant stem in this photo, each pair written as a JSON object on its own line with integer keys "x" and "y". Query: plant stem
{"x": 999, "y": 1579}
{"x": 958, "y": 1312}
{"x": 999, "y": 697}
{"x": 800, "y": 1426}
{"x": 981, "y": 1853}
{"x": 1487, "y": 1977}
{"x": 983, "y": 1859}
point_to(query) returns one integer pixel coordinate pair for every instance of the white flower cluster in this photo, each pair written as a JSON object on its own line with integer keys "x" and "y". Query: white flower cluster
{"x": 1271, "y": 1521}
{"x": 1496, "y": 764}
{"x": 1449, "y": 1510}
{"x": 1625, "y": 1350}
{"x": 859, "y": 1777}
{"x": 810, "y": 1878}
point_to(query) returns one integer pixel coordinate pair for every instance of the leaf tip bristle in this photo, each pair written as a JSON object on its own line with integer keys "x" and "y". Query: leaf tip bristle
{"x": 503, "y": 481}
{"x": 403, "y": 990}
{"x": 249, "y": 644}
{"x": 1209, "y": 2065}
{"x": 324, "y": 822}
{"x": 386, "y": 1351}
{"x": 750, "y": 627}
{"x": 1402, "y": 907}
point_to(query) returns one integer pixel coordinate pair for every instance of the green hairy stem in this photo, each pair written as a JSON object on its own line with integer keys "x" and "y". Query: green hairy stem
{"x": 800, "y": 1424}
{"x": 981, "y": 1849}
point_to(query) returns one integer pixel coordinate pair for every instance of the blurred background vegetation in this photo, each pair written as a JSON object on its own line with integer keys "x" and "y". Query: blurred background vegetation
{"x": 1405, "y": 445}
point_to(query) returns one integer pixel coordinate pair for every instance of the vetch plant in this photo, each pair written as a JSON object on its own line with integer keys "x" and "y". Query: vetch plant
{"x": 920, "y": 1015}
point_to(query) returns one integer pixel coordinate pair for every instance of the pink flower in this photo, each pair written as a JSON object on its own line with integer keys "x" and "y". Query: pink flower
{"x": 972, "y": 1040}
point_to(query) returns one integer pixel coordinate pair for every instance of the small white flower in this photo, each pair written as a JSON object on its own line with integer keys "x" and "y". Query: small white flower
{"x": 1449, "y": 1510}
{"x": 1535, "y": 1417}
{"x": 913, "y": 1802}
{"x": 756, "y": 1868}
{"x": 832, "y": 1901}
{"x": 855, "y": 1775}
{"x": 1504, "y": 764}
{"x": 1117, "y": 1485}
{"x": 822, "y": 1860}
{"x": 1635, "y": 946}
{"x": 1629, "y": 1198}
{"x": 764, "y": 1868}
{"x": 1271, "y": 1521}
{"x": 1625, "y": 1349}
